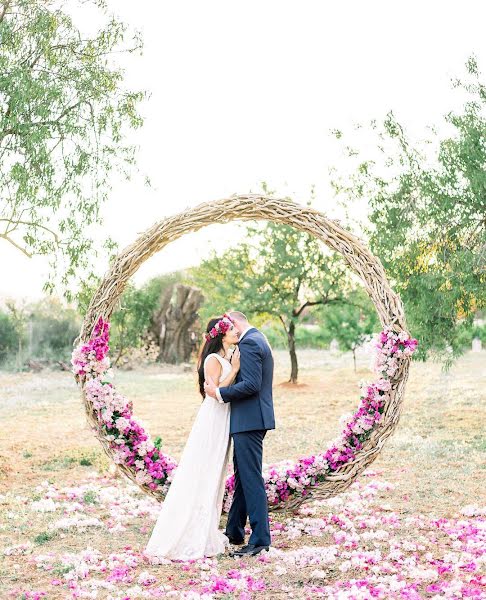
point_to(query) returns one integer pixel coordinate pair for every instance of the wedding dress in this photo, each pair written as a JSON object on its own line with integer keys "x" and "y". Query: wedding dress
{"x": 188, "y": 523}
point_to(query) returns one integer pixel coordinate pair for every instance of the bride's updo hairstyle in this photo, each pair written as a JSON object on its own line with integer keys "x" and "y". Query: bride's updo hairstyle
{"x": 214, "y": 344}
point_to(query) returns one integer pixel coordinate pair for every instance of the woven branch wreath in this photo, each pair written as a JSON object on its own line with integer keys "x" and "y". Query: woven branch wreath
{"x": 288, "y": 484}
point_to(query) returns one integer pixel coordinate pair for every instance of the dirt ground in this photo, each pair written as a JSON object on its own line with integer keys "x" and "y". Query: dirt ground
{"x": 435, "y": 459}
{"x": 437, "y": 451}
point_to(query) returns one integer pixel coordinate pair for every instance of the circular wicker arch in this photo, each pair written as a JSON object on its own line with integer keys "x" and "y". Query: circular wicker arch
{"x": 309, "y": 220}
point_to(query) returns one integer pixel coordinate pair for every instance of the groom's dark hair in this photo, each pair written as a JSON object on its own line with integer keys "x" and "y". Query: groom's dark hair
{"x": 208, "y": 347}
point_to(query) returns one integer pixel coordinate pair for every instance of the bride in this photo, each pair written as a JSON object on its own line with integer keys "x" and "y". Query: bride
{"x": 188, "y": 523}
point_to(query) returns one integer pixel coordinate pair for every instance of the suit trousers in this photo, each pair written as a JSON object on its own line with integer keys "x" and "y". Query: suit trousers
{"x": 250, "y": 498}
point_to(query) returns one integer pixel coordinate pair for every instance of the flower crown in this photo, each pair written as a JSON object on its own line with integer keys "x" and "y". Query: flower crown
{"x": 221, "y": 327}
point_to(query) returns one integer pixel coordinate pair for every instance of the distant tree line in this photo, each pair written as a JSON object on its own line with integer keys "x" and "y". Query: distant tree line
{"x": 164, "y": 319}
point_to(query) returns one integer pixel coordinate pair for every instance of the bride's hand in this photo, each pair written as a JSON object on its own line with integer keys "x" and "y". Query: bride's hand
{"x": 235, "y": 359}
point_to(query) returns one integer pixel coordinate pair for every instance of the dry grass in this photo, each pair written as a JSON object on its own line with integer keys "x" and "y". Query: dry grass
{"x": 436, "y": 456}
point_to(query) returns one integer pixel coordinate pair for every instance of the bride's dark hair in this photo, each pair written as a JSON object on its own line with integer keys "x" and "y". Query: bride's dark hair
{"x": 208, "y": 347}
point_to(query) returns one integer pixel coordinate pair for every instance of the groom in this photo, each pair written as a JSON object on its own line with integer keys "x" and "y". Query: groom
{"x": 251, "y": 417}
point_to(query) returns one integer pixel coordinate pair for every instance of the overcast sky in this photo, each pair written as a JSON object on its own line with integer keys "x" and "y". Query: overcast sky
{"x": 243, "y": 92}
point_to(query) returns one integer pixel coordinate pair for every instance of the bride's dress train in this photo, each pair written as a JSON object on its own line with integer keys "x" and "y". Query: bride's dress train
{"x": 188, "y": 523}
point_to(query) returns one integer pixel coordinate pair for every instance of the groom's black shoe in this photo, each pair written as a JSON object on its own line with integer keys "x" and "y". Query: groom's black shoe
{"x": 249, "y": 550}
{"x": 234, "y": 541}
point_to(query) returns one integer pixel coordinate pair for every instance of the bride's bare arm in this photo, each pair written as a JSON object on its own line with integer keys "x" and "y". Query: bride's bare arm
{"x": 214, "y": 370}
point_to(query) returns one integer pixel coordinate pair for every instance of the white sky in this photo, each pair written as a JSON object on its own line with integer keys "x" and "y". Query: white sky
{"x": 245, "y": 92}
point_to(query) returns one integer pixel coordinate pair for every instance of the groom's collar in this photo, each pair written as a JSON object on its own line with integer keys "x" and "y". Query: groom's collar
{"x": 244, "y": 333}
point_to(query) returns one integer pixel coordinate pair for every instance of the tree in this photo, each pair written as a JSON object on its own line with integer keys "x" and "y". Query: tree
{"x": 353, "y": 323}
{"x": 64, "y": 114}
{"x": 18, "y": 314}
{"x": 279, "y": 272}
{"x": 135, "y": 316}
{"x": 427, "y": 218}
{"x": 130, "y": 322}
{"x": 44, "y": 330}
{"x": 52, "y": 329}
{"x": 173, "y": 323}
{"x": 9, "y": 341}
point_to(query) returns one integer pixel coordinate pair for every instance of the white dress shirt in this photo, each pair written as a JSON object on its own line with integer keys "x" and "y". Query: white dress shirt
{"x": 218, "y": 394}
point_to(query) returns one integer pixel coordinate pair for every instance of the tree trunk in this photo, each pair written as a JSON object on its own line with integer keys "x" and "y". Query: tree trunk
{"x": 119, "y": 355}
{"x": 173, "y": 325}
{"x": 294, "y": 369}
{"x": 354, "y": 359}
{"x": 121, "y": 347}
{"x": 19, "y": 353}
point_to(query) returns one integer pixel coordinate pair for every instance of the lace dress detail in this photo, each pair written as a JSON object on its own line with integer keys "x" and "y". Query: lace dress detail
{"x": 188, "y": 523}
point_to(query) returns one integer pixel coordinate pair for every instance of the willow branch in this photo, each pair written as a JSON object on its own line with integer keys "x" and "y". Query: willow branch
{"x": 51, "y": 122}
{"x": 11, "y": 241}
{"x": 30, "y": 224}
{"x": 4, "y": 9}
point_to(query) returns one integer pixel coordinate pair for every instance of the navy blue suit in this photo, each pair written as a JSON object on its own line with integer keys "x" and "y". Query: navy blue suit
{"x": 251, "y": 416}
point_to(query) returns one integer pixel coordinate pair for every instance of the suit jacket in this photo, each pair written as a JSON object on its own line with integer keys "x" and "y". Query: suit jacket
{"x": 251, "y": 394}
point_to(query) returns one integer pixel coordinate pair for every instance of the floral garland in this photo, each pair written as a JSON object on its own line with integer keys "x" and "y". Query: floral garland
{"x": 283, "y": 481}
{"x": 220, "y": 328}
{"x": 131, "y": 444}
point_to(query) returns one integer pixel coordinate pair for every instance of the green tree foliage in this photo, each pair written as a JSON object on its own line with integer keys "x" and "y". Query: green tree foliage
{"x": 427, "y": 213}
{"x": 307, "y": 334}
{"x": 38, "y": 330}
{"x": 353, "y": 323}
{"x": 132, "y": 318}
{"x": 47, "y": 329}
{"x": 64, "y": 115}
{"x": 9, "y": 341}
{"x": 279, "y": 272}
{"x": 51, "y": 329}
{"x": 131, "y": 322}
{"x": 18, "y": 316}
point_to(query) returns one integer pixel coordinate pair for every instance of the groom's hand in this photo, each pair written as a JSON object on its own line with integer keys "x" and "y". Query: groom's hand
{"x": 211, "y": 390}
{"x": 209, "y": 387}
